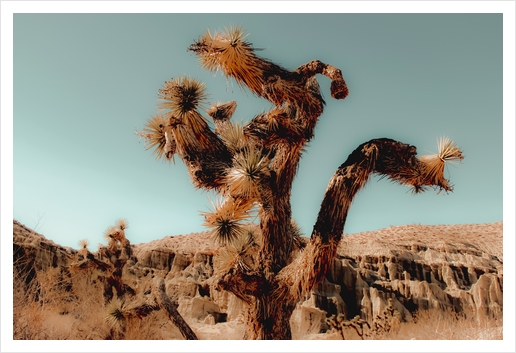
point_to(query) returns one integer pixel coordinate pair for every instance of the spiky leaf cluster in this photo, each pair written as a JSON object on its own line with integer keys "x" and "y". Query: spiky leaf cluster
{"x": 116, "y": 234}
{"x": 115, "y": 313}
{"x": 447, "y": 152}
{"x": 182, "y": 96}
{"x": 229, "y": 52}
{"x": 226, "y": 221}
{"x": 181, "y": 99}
{"x": 187, "y": 131}
{"x": 83, "y": 243}
{"x": 222, "y": 111}
{"x": 400, "y": 163}
{"x": 83, "y": 247}
{"x": 122, "y": 224}
{"x": 250, "y": 166}
{"x": 238, "y": 254}
{"x": 234, "y": 137}
{"x": 155, "y": 136}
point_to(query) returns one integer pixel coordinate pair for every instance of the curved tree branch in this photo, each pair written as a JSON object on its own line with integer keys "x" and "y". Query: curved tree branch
{"x": 221, "y": 113}
{"x": 173, "y": 314}
{"x": 243, "y": 285}
{"x": 394, "y": 160}
{"x": 338, "y": 88}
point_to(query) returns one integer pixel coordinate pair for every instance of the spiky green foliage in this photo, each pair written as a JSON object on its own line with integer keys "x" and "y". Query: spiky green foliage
{"x": 226, "y": 220}
{"x": 181, "y": 97}
{"x": 250, "y": 166}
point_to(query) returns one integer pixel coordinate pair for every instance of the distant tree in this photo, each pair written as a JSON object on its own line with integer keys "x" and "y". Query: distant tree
{"x": 252, "y": 166}
{"x": 118, "y": 252}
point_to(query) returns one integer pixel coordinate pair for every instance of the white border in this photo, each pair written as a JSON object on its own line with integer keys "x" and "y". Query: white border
{"x": 8, "y": 8}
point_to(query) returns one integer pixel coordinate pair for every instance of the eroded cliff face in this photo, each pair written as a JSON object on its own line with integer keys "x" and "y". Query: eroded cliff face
{"x": 457, "y": 268}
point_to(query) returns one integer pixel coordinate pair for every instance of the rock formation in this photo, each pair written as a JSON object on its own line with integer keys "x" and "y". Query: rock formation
{"x": 457, "y": 268}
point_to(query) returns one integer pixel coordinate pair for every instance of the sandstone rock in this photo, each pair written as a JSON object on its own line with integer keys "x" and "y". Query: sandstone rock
{"x": 458, "y": 268}
{"x": 209, "y": 320}
{"x": 307, "y": 319}
{"x": 198, "y": 308}
{"x": 30, "y": 247}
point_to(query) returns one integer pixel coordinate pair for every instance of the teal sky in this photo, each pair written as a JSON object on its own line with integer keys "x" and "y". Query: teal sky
{"x": 84, "y": 82}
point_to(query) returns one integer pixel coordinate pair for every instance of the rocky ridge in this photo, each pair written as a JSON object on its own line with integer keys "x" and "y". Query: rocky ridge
{"x": 457, "y": 268}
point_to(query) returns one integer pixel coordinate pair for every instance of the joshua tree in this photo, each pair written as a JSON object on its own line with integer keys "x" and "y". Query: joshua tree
{"x": 252, "y": 167}
{"x": 118, "y": 252}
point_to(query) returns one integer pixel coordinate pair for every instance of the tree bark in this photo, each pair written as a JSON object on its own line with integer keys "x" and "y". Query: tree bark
{"x": 385, "y": 157}
{"x": 268, "y": 318}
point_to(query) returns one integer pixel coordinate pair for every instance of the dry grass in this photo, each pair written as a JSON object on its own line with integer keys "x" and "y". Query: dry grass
{"x": 71, "y": 307}
{"x": 427, "y": 325}
{"x": 58, "y": 305}
{"x": 67, "y": 302}
{"x": 438, "y": 325}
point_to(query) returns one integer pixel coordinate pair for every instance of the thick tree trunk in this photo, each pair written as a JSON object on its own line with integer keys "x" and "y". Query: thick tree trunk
{"x": 268, "y": 318}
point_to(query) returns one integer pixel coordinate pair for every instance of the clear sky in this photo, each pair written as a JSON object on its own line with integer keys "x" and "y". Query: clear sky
{"x": 84, "y": 82}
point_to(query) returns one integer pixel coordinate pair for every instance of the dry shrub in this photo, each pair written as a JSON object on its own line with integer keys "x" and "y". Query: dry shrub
{"x": 58, "y": 304}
